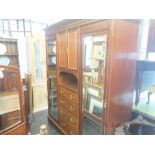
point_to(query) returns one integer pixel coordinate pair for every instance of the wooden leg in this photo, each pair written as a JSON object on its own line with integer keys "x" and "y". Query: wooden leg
{"x": 138, "y": 88}
{"x": 149, "y": 93}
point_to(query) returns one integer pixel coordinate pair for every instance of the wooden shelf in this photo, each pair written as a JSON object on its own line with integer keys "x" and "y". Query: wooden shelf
{"x": 51, "y": 64}
{"x": 9, "y": 55}
{"x": 70, "y": 87}
{"x": 51, "y": 55}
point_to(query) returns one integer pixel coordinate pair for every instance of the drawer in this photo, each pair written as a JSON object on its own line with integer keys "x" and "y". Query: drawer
{"x": 68, "y": 117}
{"x": 70, "y": 130}
{"x": 70, "y": 107}
{"x": 68, "y": 121}
{"x": 69, "y": 95}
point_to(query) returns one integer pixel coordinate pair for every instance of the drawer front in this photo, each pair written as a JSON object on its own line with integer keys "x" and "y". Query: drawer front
{"x": 68, "y": 121}
{"x": 70, "y": 130}
{"x": 70, "y": 107}
{"x": 73, "y": 97}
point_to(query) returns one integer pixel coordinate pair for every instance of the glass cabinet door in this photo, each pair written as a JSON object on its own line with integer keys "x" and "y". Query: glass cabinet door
{"x": 51, "y": 53}
{"x": 11, "y": 112}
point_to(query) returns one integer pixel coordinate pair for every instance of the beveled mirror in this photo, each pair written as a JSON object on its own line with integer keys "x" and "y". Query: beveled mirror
{"x": 94, "y": 54}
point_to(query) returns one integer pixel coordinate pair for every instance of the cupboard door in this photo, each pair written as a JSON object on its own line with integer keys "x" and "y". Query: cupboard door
{"x": 120, "y": 74}
{"x": 73, "y": 49}
{"x": 62, "y": 53}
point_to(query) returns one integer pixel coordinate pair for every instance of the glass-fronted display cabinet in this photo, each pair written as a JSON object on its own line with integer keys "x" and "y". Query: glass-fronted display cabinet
{"x": 52, "y": 88}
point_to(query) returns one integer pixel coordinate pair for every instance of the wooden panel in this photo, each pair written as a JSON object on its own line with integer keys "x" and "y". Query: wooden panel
{"x": 73, "y": 97}
{"x": 38, "y": 66}
{"x": 70, "y": 107}
{"x": 73, "y": 49}
{"x": 61, "y": 48}
{"x": 68, "y": 121}
{"x": 18, "y": 130}
{"x": 40, "y": 97}
{"x": 10, "y": 80}
{"x": 9, "y": 119}
{"x": 95, "y": 27}
{"x": 121, "y": 73}
{"x": 1, "y": 84}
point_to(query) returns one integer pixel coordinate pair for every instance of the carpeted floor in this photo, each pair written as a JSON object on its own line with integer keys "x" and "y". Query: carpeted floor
{"x": 39, "y": 118}
{"x": 90, "y": 128}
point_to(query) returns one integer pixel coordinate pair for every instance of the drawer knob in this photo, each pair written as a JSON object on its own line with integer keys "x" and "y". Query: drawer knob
{"x": 62, "y": 112}
{"x": 72, "y": 120}
{"x": 71, "y": 96}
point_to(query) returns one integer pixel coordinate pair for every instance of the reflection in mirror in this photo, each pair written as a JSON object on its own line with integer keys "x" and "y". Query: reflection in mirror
{"x": 2, "y": 49}
{"x": 9, "y": 98}
{"x": 93, "y": 83}
{"x": 51, "y": 48}
{"x": 38, "y": 61}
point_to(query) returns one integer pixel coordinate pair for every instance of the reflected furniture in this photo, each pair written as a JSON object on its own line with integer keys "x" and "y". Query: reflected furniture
{"x": 52, "y": 79}
{"x": 150, "y": 92}
{"x": 141, "y": 67}
{"x": 12, "y": 110}
{"x": 137, "y": 126}
{"x": 120, "y": 64}
{"x": 36, "y": 46}
{"x": 11, "y": 51}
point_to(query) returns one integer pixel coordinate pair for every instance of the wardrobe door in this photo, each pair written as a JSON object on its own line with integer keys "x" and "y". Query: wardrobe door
{"x": 73, "y": 35}
{"x": 62, "y": 46}
{"x": 121, "y": 73}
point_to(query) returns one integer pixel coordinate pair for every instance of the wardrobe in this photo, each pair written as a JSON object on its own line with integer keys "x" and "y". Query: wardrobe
{"x": 108, "y": 71}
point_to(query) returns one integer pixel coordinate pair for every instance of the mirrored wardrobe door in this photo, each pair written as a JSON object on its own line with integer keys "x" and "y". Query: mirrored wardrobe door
{"x": 52, "y": 88}
{"x": 94, "y": 55}
{"x": 11, "y": 112}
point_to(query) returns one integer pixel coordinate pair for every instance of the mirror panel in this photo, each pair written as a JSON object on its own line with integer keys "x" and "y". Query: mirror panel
{"x": 51, "y": 51}
{"x": 93, "y": 82}
{"x": 10, "y": 112}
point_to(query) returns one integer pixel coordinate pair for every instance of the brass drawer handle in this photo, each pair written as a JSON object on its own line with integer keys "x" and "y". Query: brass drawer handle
{"x": 62, "y": 112}
{"x": 72, "y": 120}
{"x": 71, "y": 96}
{"x": 63, "y": 124}
{"x": 72, "y": 107}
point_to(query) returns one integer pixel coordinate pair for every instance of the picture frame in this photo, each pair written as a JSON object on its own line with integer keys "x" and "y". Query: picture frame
{"x": 96, "y": 106}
